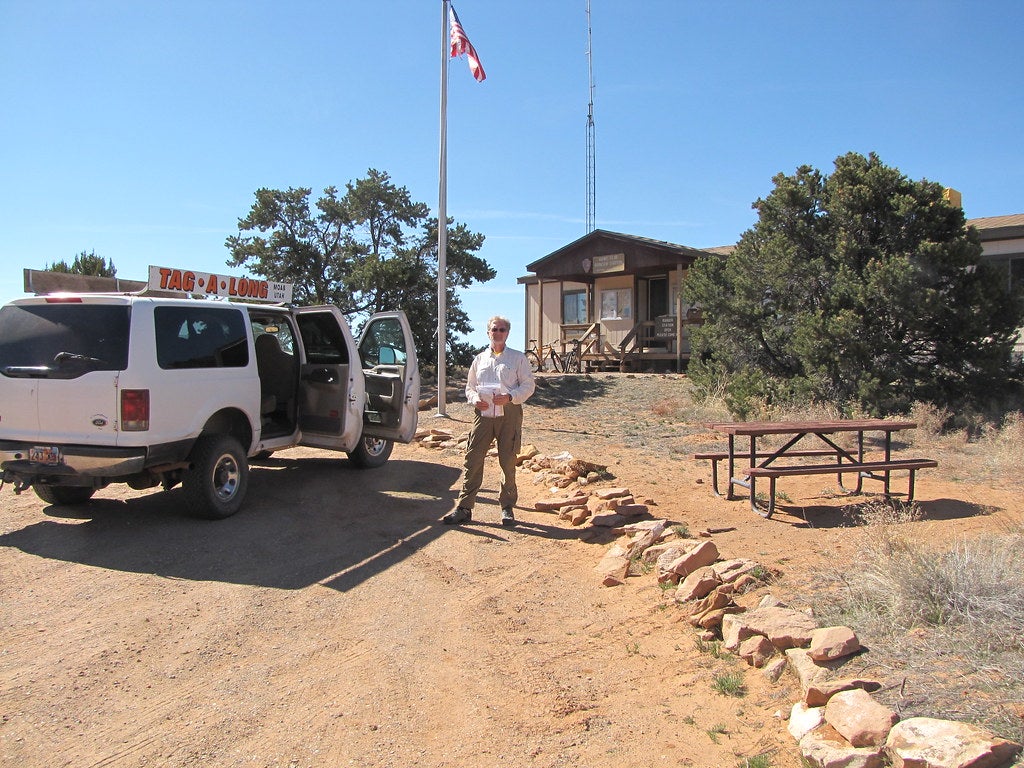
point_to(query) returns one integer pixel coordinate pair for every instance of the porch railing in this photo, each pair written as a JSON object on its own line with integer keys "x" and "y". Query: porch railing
{"x": 641, "y": 335}
{"x": 639, "y": 343}
{"x": 589, "y": 337}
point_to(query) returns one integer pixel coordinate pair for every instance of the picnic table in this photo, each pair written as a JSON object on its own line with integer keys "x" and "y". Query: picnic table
{"x": 772, "y": 463}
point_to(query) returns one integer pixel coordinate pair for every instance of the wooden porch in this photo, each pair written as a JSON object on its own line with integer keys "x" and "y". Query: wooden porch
{"x": 642, "y": 349}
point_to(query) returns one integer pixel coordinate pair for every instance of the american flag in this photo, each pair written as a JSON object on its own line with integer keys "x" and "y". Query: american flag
{"x": 461, "y": 44}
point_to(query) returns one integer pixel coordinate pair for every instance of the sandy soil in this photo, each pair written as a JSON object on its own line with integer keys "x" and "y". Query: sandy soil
{"x": 335, "y": 622}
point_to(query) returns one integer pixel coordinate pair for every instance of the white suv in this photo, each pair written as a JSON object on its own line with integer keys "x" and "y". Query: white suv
{"x": 106, "y": 388}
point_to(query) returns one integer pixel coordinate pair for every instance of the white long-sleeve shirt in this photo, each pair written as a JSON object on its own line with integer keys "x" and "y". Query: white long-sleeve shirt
{"x": 510, "y": 369}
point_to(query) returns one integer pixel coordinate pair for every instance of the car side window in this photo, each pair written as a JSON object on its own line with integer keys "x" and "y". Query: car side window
{"x": 322, "y": 340}
{"x": 383, "y": 343}
{"x": 200, "y": 337}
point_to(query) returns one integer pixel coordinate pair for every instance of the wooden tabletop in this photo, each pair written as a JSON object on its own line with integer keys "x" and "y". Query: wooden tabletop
{"x": 757, "y": 428}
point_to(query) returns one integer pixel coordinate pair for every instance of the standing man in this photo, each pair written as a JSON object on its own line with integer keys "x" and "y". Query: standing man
{"x": 499, "y": 382}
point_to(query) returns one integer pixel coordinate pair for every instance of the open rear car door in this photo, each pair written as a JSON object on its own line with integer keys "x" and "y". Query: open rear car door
{"x": 330, "y": 382}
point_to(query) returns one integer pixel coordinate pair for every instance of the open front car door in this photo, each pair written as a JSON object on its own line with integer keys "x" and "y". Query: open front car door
{"x": 391, "y": 374}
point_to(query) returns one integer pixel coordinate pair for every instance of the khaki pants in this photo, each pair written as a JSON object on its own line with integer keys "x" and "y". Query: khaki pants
{"x": 508, "y": 431}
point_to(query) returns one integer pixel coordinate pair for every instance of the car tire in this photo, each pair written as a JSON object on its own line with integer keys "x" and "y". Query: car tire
{"x": 371, "y": 452}
{"x": 217, "y": 478}
{"x": 64, "y": 495}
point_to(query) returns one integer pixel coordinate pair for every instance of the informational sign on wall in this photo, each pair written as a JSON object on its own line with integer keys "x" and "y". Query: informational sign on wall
{"x": 609, "y": 262}
{"x": 665, "y": 327}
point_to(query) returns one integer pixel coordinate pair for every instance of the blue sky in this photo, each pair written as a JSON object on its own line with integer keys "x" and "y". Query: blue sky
{"x": 142, "y": 130}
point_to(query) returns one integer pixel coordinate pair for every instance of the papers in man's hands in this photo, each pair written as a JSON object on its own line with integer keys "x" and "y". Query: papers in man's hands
{"x": 487, "y": 393}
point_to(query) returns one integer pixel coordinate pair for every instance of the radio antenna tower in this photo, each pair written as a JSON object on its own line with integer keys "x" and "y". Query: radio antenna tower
{"x": 591, "y": 165}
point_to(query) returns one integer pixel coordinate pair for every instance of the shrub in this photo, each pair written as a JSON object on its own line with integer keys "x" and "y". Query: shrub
{"x": 945, "y": 619}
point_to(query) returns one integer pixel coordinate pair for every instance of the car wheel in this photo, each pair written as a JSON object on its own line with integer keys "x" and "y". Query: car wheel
{"x": 64, "y": 495}
{"x": 216, "y": 482}
{"x": 371, "y": 452}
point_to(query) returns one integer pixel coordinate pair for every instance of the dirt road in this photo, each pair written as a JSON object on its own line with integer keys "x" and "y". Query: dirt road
{"x": 335, "y": 622}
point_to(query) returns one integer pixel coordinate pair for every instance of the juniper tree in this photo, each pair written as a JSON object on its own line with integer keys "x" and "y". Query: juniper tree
{"x": 862, "y": 288}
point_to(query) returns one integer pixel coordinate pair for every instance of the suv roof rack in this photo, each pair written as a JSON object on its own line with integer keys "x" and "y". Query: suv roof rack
{"x": 42, "y": 282}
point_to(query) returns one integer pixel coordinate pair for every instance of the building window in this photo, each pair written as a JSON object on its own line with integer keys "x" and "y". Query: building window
{"x": 1017, "y": 275}
{"x": 617, "y": 304}
{"x": 574, "y": 307}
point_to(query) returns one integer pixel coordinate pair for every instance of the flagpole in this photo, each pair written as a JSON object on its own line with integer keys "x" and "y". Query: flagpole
{"x": 442, "y": 221}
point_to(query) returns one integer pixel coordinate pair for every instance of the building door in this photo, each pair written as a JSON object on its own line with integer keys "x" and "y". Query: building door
{"x": 657, "y": 298}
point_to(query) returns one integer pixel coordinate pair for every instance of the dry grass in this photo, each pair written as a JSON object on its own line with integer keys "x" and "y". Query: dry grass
{"x": 1002, "y": 445}
{"x": 880, "y": 512}
{"x": 985, "y": 450}
{"x": 944, "y": 621}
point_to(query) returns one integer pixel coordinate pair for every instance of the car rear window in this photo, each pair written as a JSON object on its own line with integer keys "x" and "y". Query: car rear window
{"x": 63, "y": 340}
{"x": 200, "y": 337}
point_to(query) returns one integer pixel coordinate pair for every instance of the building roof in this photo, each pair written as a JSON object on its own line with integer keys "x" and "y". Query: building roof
{"x": 999, "y": 227}
{"x": 721, "y": 250}
{"x": 666, "y": 248}
{"x": 602, "y": 252}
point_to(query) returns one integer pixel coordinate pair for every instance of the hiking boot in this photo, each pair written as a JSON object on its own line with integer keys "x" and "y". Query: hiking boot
{"x": 456, "y": 516}
{"x": 507, "y": 518}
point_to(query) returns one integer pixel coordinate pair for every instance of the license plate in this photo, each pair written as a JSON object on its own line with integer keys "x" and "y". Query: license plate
{"x": 44, "y": 454}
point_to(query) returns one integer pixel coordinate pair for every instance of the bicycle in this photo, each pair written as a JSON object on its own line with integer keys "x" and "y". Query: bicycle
{"x": 570, "y": 362}
{"x": 533, "y": 355}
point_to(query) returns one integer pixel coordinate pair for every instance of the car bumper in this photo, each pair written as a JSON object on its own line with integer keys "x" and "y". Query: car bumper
{"x": 74, "y": 461}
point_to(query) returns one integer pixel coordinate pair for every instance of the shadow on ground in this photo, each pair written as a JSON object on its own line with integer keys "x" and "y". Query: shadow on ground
{"x": 305, "y": 521}
{"x": 848, "y": 515}
{"x": 560, "y": 391}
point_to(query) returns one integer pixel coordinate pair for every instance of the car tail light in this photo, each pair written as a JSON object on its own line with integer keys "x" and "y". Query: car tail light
{"x": 134, "y": 410}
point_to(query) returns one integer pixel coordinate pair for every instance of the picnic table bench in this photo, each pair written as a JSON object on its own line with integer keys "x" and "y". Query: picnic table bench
{"x": 761, "y": 462}
{"x": 716, "y": 456}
